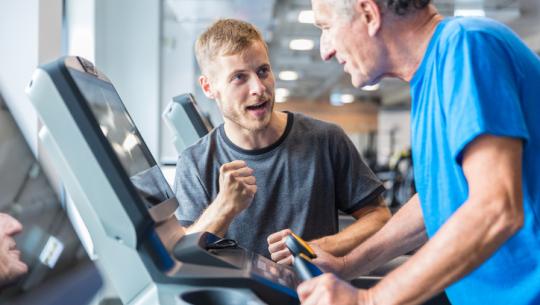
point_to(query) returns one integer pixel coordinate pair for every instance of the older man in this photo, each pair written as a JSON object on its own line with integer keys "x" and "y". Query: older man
{"x": 11, "y": 266}
{"x": 475, "y": 142}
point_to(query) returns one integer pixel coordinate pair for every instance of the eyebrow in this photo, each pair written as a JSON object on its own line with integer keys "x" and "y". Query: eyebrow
{"x": 264, "y": 65}
{"x": 236, "y": 72}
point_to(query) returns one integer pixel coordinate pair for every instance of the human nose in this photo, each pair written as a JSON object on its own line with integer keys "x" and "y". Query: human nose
{"x": 256, "y": 86}
{"x": 327, "y": 50}
{"x": 9, "y": 225}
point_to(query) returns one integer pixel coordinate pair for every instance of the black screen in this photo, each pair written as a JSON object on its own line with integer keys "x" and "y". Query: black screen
{"x": 125, "y": 140}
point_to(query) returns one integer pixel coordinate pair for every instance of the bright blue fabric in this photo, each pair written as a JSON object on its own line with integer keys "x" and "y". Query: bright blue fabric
{"x": 477, "y": 77}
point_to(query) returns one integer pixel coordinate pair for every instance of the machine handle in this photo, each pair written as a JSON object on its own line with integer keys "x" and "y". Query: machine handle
{"x": 298, "y": 246}
{"x": 304, "y": 268}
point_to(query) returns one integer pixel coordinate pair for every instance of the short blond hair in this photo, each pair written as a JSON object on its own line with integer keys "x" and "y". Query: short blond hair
{"x": 225, "y": 37}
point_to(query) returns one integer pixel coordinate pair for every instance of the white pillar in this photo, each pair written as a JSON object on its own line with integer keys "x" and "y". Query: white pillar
{"x": 30, "y": 34}
{"x": 127, "y": 50}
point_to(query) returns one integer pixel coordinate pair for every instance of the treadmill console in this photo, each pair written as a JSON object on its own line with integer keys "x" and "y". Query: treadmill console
{"x": 210, "y": 250}
{"x": 121, "y": 194}
{"x": 185, "y": 120}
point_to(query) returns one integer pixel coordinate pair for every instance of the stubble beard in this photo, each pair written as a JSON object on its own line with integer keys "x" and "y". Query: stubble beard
{"x": 237, "y": 119}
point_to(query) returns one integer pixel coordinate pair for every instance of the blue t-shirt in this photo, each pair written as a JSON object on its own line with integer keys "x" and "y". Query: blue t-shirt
{"x": 477, "y": 77}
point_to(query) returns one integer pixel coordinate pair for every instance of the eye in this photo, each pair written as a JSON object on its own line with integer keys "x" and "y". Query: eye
{"x": 263, "y": 71}
{"x": 323, "y": 26}
{"x": 238, "y": 77}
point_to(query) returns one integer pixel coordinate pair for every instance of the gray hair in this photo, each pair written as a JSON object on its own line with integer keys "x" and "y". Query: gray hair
{"x": 343, "y": 8}
{"x": 398, "y": 7}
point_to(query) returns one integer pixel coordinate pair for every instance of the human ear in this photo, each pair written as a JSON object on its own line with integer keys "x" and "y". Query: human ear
{"x": 206, "y": 87}
{"x": 370, "y": 13}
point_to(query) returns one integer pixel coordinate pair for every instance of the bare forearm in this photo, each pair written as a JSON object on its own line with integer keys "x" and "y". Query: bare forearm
{"x": 448, "y": 256}
{"x": 343, "y": 242}
{"x": 237, "y": 189}
{"x": 403, "y": 233}
{"x": 215, "y": 219}
{"x": 170, "y": 232}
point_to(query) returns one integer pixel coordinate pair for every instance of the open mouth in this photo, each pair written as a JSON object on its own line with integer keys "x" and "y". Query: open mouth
{"x": 257, "y": 106}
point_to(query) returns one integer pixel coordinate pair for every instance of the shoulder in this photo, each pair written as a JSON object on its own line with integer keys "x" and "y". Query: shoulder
{"x": 471, "y": 28}
{"x": 461, "y": 40}
{"x": 312, "y": 132}
{"x": 310, "y": 125}
{"x": 200, "y": 153}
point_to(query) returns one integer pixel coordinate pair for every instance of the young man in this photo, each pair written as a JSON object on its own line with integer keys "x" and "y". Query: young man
{"x": 475, "y": 143}
{"x": 264, "y": 171}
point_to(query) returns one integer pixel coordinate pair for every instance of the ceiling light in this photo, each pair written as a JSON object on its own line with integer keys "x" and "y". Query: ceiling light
{"x": 282, "y": 92}
{"x": 288, "y": 75}
{"x": 347, "y": 98}
{"x": 335, "y": 99}
{"x": 281, "y": 95}
{"x": 280, "y": 99}
{"x": 339, "y": 99}
{"x": 301, "y": 44}
{"x": 371, "y": 88}
{"x": 470, "y": 12}
{"x": 306, "y": 17}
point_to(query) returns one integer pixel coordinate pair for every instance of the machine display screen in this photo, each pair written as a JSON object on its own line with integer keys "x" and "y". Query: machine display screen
{"x": 124, "y": 138}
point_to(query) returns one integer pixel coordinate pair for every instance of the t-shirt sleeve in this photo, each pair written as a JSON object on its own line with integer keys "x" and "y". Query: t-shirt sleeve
{"x": 192, "y": 196}
{"x": 355, "y": 183}
{"x": 480, "y": 91}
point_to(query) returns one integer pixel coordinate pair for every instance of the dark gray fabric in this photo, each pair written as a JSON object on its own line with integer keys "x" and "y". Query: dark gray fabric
{"x": 312, "y": 171}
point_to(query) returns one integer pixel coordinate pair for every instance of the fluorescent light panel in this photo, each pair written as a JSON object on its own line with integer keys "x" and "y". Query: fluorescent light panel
{"x": 301, "y": 44}
{"x": 470, "y": 12}
{"x": 280, "y": 99}
{"x": 281, "y": 95}
{"x": 347, "y": 98}
{"x": 282, "y": 92}
{"x": 288, "y": 75}
{"x": 306, "y": 16}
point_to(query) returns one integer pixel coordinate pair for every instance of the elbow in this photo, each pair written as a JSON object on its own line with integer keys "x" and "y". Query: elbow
{"x": 508, "y": 228}
{"x": 515, "y": 222}
{"x": 514, "y": 216}
{"x": 510, "y": 217}
{"x": 383, "y": 215}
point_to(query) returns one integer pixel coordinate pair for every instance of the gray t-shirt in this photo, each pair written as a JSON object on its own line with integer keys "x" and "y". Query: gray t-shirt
{"x": 303, "y": 179}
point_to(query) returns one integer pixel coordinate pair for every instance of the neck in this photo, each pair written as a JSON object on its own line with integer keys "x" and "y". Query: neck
{"x": 257, "y": 139}
{"x": 407, "y": 40}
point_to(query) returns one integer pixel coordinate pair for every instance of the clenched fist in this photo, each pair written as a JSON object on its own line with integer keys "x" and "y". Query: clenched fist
{"x": 278, "y": 249}
{"x": 237, "y": 186}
